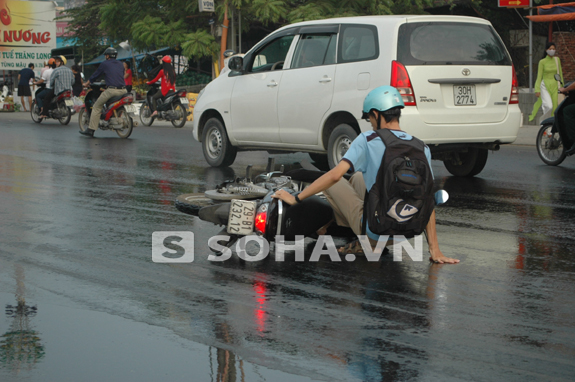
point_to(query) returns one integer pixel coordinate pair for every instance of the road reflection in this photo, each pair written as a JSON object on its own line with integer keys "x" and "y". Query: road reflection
{"x": 21, "y": 346}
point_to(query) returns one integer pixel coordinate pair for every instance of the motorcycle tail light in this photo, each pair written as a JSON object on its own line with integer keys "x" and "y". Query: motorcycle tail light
{"x": 183, "y": 93}
{"x": 514, "y": 97}
{"x": 261, "y": 219}
{"x": 400, "y": 80}
{"x": 129, "y": 99}
{"x": 66, "y": 94}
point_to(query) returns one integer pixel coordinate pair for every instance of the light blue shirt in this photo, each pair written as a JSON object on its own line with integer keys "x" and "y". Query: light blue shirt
{"x": 365, "y": 155}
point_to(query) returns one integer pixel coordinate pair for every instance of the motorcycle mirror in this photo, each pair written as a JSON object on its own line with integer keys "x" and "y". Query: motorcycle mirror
{"x": 557, "y": 77}
{"x": 441, "y": 197}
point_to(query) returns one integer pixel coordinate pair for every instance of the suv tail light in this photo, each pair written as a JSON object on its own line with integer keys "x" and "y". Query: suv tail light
{"x": 400, "y": 80}
{"x": 514, "y": 97}
{"x": 261, "y": 219}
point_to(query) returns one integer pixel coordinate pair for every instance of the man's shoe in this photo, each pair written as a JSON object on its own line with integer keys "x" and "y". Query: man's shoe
{"x": 88, "y": 132}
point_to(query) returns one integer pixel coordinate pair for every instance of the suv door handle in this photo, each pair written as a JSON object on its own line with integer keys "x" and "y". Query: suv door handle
{"x": 272, "y": 84}
{"x": 325, "y": 79}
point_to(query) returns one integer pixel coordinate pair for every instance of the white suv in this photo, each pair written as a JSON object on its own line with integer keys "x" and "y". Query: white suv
{"x": 302, "y": 89}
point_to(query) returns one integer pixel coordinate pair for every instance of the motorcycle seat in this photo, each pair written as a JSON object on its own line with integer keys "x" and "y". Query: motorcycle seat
{"x": 169, "y": 95}
{"x": 116, "y": 98}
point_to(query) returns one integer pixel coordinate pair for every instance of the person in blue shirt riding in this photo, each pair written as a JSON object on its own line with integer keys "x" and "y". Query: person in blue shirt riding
{"x": 113, "y": 72}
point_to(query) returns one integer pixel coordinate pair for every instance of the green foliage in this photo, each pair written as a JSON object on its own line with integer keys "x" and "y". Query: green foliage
{"x": 200, "y": 44}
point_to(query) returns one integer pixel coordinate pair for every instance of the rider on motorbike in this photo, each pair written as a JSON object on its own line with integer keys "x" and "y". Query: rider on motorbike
{"x": 569, "y": 119}
{"x": 168, "y": 76}
{"x": 113, "y": 72}
{"x": 383, "y": 107}
{"x": 61, "y": 80}
{"x": 46, "y": 74}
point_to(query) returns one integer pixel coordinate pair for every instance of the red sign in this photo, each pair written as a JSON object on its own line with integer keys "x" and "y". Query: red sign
{"x": 514, "y": 3}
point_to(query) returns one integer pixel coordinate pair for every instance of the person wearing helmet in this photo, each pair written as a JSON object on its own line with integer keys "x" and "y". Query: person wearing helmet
{"x": 46, "y": 74}
{"x": 382, "y": 108}
{"x": 61, "y": 80}
{"x": 168, "y": 76}
{"x": 113, "y": 72}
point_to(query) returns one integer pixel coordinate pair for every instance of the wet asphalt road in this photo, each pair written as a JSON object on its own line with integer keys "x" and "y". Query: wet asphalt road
{"x": 83, "y": 300}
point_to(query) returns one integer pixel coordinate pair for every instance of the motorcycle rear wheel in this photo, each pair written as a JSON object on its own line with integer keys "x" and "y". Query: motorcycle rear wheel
{"x": 179, "y": 108}
{"x": 66, "y": 114}
{"x": 34, "y": 113}
{"x": 549, "y": 146}
{"x": 192, "y": 203}
{"x": 128, "y": 124}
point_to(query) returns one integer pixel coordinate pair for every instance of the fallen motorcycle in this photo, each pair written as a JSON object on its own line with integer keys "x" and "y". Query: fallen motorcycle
{"x": 245, "y": 206}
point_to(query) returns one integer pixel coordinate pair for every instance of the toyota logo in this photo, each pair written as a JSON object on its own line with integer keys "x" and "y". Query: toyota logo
{"x": 466, "y": 72}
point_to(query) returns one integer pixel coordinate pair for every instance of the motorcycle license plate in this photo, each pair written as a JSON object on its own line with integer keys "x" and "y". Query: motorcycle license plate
{"x": 130, "y": 108}
{"x": 464, "y": 95}
{"x": 69, "y": 102}
{"x": 242, "y": 217}
{"x": 184, "y": 100}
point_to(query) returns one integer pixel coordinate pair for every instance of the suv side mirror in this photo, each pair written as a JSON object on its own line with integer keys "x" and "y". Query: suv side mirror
{"x": 236, "y": 64}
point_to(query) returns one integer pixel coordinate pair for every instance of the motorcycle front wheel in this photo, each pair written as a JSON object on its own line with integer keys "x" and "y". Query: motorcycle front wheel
{"x": 66, "y": 114}
{"x": 83, "y": 119}
{"x": 145, "y": 115}
{"x": 127, "y": 122}
{"x": 181, "y": 111}
{"x": 34, "y": 112}
{"x": 549, "y": 146}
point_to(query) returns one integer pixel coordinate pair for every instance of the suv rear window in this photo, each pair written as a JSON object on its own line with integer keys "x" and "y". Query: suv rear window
{"x": 450, "y": 44}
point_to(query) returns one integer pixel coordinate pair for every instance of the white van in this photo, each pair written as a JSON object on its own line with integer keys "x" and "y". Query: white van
{"x": 302, "y": 89}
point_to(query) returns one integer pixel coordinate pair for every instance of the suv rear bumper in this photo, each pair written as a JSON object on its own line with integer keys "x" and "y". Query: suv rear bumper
{"x": 500, "y": 132}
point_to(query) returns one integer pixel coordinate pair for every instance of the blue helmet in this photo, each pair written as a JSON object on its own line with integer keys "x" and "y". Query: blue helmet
{"x": 382, "y": 98}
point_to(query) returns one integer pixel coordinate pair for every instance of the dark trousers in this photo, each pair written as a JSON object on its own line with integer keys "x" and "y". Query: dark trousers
{"x": 569, "y": 120}
{"x": 40, "y": 97}
{"x": 155, "y": 99}
{"x": 48, "y": 98}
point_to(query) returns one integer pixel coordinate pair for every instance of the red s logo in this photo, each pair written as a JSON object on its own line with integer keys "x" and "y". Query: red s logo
{"x": 5, "y": 17}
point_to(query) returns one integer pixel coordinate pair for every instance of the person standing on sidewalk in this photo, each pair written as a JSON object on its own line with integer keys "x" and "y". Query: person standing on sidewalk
{"x": 546, "y": 86}
{"x": 128, "y": 76}
{"x": 24, "y": 78}
{"x": 113, "y": 72}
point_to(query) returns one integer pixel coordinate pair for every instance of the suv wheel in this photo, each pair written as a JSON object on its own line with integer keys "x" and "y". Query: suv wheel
{"x": 216, "y": 146}
{"x": 472, "y": 163}
{"x": 339, "y": 142}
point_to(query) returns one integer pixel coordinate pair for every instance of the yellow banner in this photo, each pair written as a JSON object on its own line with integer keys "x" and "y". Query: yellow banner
{"x": 27, "y": 33}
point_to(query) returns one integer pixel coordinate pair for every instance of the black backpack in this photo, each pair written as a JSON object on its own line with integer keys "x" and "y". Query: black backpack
{"x": 401, "y": 200}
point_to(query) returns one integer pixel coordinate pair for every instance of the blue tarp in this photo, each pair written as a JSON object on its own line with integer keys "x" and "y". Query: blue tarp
{"x": 124, "y": 54}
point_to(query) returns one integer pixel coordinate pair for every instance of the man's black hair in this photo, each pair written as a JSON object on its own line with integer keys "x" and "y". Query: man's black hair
{"x": 127, "y": 63}
{"x": 30, "y": 65}
{"x": 389, "y": 115}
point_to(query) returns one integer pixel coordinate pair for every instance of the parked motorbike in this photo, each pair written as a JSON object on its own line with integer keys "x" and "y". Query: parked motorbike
{"x": 118, "y": 113}
{"x": 173, "y": 107}
{"x": 61, "y": 107}
{"x": 552, "y": 140}
{"x": 246, "y": 207}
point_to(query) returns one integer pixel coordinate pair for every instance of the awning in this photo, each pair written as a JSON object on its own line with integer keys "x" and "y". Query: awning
{"x": 124, "y": 54}
{"x": 554, "y": 12}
